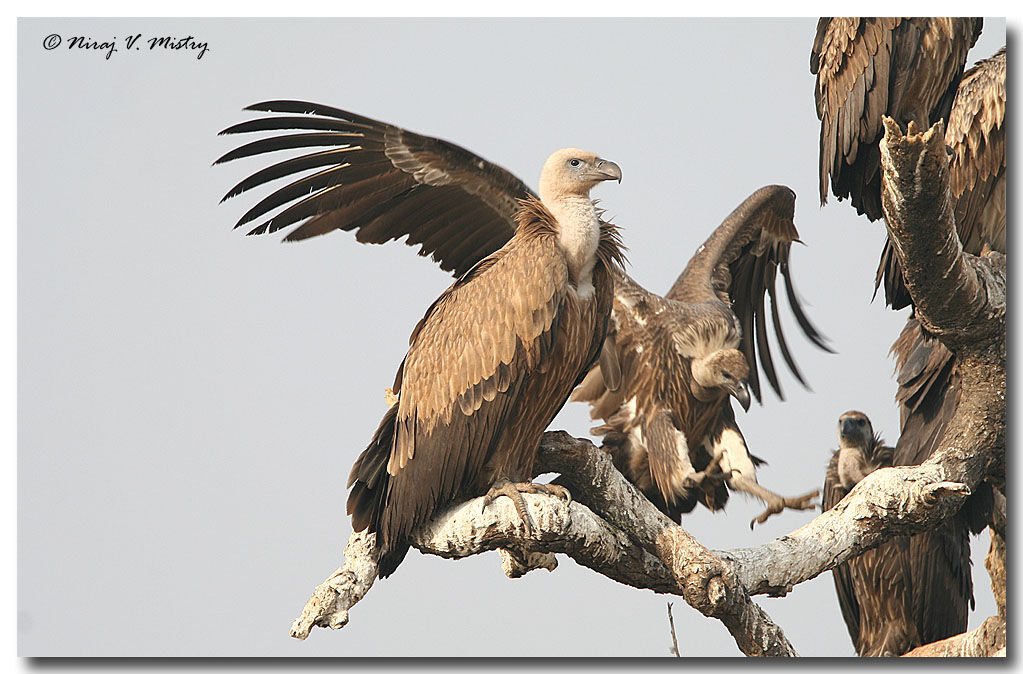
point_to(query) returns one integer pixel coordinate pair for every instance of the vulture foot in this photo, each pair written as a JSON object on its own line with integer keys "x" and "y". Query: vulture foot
{"x": 515, "y": 490}
{"x": 776, "y": 503}
{"x": 708, "y": 478}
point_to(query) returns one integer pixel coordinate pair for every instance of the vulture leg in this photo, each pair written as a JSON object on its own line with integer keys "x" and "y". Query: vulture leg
{"x": 775, "y": 503}
{"x": 515, "y": 490}
{"x": 712, "y": 475}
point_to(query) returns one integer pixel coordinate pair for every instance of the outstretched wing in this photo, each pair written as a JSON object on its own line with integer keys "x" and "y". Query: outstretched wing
{"x": 382, "y": 181}
{"x": 976, "y": 134}
{"x": 908, "y": 69}
{"x": 738, "y": 265}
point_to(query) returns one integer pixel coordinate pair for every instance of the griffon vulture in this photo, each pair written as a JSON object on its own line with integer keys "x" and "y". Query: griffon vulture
{"x": 492, "y": 362}
{"x": 385, "y": 183}
{"x": 875, "y": 588}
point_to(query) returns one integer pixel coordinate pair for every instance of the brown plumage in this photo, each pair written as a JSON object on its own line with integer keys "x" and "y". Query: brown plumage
{"x": 491, "y": 363}
{"x": 975, "y": 132}
{"x": 874, "y": 589}
{"x": 670, "y": 426}
{"x": 385, "y": 182}
{"x": 929, "y": 386}
{"x": 905, "y": 68}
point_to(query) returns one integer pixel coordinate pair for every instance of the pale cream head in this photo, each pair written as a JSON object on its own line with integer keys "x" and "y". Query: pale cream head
{"x": 726, "y": 370}
{"x": 574, "y": 172}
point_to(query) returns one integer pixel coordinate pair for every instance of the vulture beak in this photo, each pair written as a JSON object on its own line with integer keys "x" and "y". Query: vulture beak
{"x": 605, "y": 170}
{"x": 741, "y": 393}
{"x": 849, "y": 428}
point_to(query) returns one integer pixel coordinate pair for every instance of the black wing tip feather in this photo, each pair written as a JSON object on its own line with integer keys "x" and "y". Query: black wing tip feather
{"x": 809, "y": 329}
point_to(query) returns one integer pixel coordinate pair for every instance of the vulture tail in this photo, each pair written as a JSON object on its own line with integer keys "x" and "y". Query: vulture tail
{"x": 369, "y": 481}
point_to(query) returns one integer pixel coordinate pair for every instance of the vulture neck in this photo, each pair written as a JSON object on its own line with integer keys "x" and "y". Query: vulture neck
{"x": 852, "y": 465}
{"x": 578, "y": 236}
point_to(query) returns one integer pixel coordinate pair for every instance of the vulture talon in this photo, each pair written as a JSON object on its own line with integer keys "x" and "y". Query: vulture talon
{"x": 515, "y": 490}
{"x": 776, "y": 504}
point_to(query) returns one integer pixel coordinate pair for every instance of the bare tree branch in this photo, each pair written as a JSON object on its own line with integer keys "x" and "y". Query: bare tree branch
{"x": 986, "y": 641}
{"x": 955, "y": 296}
{"x": 611, "y": 528}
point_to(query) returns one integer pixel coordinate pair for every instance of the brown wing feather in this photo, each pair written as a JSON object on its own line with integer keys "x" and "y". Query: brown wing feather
{"x": 382, "y": 181}
{"x": 875, "y": 589}
{"x": 738, "y": 264}
{"x": 976, "y": 134}
{"x": 939, "y": 560}
{"x": 488, "y": 368}
{"x": 654, "y": 428}
{"x": 907, "y": 69}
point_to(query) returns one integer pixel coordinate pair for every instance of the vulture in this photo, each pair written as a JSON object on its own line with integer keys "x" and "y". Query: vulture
{"x": 928, "y": 384}
{"x": 492, "y": 362}
{"x": 670, "y": 427}
{"x": 875, "y": 589}
{"x": 674, "y": 434}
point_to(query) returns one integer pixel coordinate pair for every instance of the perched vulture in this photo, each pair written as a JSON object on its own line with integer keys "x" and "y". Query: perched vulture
{"x": 386, "y": 183}
{"x": 904, "y": 68}
{"x": 492, "y": 362}
{"x": 874, "y": 589}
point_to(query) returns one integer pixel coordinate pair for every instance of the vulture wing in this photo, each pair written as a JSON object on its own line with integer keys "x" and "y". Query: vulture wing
{"x": 875, "y": 589}
{"x": 907, "y": 69}
{"x": 976, "y": 134}
{"x": 380, "y": 180}
{"x": 738, "y": 265}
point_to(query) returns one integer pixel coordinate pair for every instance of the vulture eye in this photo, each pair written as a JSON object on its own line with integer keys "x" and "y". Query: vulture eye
{"x": 574, "y": 162}
{"x": 860, "y": 422}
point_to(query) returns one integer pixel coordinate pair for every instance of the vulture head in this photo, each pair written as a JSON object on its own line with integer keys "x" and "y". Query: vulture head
{"x": 860, "y": 452}
{"x": 724, "y": 370}
{"x": 571, "y": 172}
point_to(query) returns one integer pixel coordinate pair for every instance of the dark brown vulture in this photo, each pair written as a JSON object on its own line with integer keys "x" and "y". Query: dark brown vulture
{"x": 492, "y": 362}
{"x": 874, "y": 589}
{"x": 904, "y": 68}
{"x": 385, "y": 183}
{"x": 929, "y": 383}
{"x": 929, "y": 387}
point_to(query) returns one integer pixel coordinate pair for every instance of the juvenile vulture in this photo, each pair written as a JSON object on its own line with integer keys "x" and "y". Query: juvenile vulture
{"x": 492, "y": 362}
{"x": 385, "y": 183}
{"x": 874, "y": 589}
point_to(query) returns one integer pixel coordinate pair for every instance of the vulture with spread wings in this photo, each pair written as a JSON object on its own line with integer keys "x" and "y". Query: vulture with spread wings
{"x": 674, "y": 433}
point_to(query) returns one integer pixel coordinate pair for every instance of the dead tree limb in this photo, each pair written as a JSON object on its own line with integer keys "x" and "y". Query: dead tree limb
{"x": 611, "y": 528}
{"x": 986, "y": 641}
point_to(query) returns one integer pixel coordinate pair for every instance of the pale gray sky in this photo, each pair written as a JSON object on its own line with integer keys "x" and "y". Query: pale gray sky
{"x": 191, "y": 400}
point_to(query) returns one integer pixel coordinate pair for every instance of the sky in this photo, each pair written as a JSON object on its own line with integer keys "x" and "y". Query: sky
{"x": 191, "y": 400}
